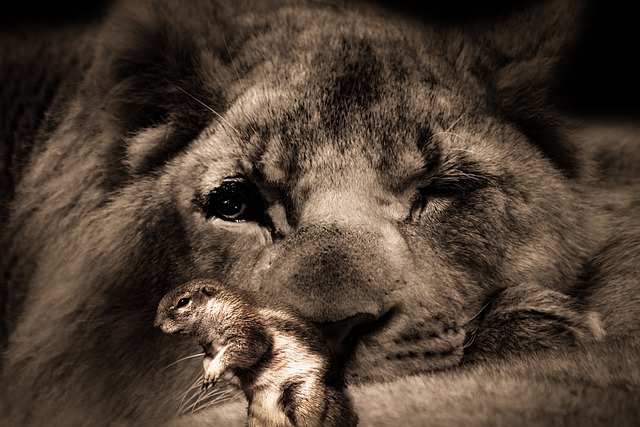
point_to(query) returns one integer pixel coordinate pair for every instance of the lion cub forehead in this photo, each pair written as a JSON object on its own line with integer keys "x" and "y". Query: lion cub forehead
{"x": 283, "y": 135}
{"x": 269, "y": 134}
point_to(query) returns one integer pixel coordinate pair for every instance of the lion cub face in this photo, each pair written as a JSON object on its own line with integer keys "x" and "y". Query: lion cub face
{"x": 354, "y": 180}
{"x": 386, "y": 177}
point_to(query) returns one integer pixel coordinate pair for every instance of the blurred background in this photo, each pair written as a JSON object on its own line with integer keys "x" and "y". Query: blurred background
{"x": 602, "y": 78}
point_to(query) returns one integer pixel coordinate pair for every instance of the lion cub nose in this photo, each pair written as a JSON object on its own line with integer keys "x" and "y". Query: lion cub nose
{"x": 342, "y": 335}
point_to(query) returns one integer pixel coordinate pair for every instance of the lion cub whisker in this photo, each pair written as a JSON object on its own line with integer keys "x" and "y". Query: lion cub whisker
{"x": 208, "y": 107}
{"x": 447, "y": 131}
{"x": 472, "y": 333}
{"x": 188, "y": 395}
{"x": 214, "y": 396}
{"x": 182, "y": 359}
{"x": 199, "y": 397}
{"x": 205, "y": 398}
{"x": 479, "y": 312}
{"x": 471, "y": 339}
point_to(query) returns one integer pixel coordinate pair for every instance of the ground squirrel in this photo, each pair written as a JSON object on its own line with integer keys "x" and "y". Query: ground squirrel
{"x": 285, "y": 369}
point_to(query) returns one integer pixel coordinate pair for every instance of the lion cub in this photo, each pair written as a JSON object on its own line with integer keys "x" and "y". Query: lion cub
{"x": 284, "y": 368}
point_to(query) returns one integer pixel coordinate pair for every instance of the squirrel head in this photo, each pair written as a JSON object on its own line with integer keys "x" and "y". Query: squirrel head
{"x": 180, "y": 309}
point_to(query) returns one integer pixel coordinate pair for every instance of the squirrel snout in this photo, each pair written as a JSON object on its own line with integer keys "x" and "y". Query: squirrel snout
{"x": 159, "y": 320}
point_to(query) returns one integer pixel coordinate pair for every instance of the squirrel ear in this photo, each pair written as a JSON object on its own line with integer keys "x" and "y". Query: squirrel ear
{"x": 208, "y": 290}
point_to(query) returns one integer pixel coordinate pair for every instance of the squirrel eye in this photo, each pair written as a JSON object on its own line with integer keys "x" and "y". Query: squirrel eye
{"x": 182, "y": 302}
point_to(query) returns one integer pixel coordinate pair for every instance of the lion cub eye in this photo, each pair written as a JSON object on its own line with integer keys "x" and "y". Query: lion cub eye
{"x": 234, "y": 200}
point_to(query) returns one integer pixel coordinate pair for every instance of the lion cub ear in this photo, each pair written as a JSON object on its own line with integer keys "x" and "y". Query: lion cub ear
{"x": 147, "y": 148}
{"x": 522, "y": 54}
{"x": 158, "y": 85}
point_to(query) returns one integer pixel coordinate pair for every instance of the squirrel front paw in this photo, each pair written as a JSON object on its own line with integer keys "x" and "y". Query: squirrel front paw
{"x": 214, "y": 367}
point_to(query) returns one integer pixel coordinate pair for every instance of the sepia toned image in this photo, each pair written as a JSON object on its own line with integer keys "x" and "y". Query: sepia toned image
{"x": 319, "y": 213}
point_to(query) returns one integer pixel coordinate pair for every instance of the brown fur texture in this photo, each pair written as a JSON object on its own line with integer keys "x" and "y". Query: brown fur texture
{"x": 348, "y": 160}
{"x": 285, "y": 369}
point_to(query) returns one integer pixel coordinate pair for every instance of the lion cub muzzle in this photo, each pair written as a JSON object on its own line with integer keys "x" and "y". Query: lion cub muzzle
{"x": 342, "y": 335}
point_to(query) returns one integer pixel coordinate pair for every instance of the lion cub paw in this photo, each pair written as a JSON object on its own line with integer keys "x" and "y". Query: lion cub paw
{"x": 530, "y": 317}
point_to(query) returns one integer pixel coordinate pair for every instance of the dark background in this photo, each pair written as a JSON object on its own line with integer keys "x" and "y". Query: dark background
{"x": 602, "y": 78}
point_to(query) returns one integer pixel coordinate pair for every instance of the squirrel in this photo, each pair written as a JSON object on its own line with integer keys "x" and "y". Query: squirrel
{"x": 281, "y": 359}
